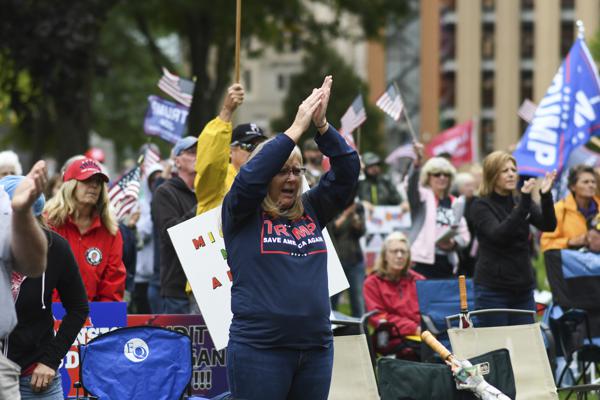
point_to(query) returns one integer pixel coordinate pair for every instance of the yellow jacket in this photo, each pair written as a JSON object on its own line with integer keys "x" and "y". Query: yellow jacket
{"x": 569, "y": 223}
{"x": 214, "y": 173}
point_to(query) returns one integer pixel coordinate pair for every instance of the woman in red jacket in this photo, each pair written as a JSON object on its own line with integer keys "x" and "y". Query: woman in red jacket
{"x": 80, "y": 213}
{"x": 392, "y": 290}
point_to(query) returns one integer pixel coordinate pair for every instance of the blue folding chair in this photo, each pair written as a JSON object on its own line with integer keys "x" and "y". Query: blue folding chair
{"x": 140, "y": 362}
{"x": 438, "y": 299}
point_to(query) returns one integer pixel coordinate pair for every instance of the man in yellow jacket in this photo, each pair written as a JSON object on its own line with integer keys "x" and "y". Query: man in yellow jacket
{"x": 221, "y": 151}
{"x": 217, "y": 145}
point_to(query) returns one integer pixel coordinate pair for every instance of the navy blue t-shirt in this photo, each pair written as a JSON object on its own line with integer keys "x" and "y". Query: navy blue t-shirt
{"x": 280, "y": 294}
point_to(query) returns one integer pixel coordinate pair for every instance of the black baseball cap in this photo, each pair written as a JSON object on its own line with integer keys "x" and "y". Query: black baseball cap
{"x": 247, "y": 133}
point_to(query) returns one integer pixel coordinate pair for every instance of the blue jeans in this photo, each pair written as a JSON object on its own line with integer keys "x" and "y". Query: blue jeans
{"x": 278, "y": 374}
{"x": 175, "y": 305}
{"x": 157, "y": 305}
{"x": 54, "y": 391}
{"x": 356, "y": 278}
{"x": 486, "y": 297}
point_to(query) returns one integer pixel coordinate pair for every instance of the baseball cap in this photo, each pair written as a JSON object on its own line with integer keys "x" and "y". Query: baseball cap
{"x": 183, "y": 144}
{"x": 247, "y": 133}
{"x": 370, "y": 159}
{"x": 83, "y": 168}
{"x": 10, "y": 183}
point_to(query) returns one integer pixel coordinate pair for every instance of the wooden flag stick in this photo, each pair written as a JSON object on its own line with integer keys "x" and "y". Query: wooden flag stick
{"x": 238, "y": 37}
{"x": 358, "y": 140}
{"x": 405, "y": 112}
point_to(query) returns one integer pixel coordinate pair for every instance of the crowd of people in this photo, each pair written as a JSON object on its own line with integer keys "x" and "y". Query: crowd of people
{"x": 69, "y": 246}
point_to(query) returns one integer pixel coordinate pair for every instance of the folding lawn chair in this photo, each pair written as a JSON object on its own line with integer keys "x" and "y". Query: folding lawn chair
{"x": 141, "y": 362}
{"x": 529, "y": 359}
{"x": 574, "y": 278}
{"x": 437, "y": 299}
{"x": 353, "y": 375}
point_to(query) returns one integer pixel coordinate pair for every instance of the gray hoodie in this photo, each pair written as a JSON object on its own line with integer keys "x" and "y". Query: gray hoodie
{"x": 8, "y": 317}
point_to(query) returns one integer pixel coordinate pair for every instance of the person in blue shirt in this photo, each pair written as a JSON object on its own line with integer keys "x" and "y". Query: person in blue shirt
{"x": 280, "y": 340}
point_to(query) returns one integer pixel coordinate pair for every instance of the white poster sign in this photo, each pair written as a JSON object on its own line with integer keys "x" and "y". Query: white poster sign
{"x": 201, "y": 250}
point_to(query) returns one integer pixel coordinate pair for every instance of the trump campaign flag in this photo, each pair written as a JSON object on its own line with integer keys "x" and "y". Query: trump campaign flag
{"x": 165, "y": 119}
{"x": 566, "y": 117}
{"x": 456, "y": 141}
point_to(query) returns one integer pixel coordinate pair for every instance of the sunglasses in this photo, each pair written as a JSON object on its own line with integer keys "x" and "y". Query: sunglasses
{"x": 439, "y": 174}
{"x": 296, "y": 171}
{"x": 249, "y": 147}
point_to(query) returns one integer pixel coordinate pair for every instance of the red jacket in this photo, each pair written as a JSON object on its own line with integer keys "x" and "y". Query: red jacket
{"x": 396, "y": 301}
{"x": 99, "y": 256}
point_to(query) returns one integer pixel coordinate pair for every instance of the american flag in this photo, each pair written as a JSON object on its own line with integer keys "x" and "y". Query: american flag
{"x": 124, "y": 193}
{"x": 353, "y": 118}
{"x": 527, "y": 110}
{"x": 391, "y": 102}
{"x": 178, "y": 88}
{"x": 151, "y": 157}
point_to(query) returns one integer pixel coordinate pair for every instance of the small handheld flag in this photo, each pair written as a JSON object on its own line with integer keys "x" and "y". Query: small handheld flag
{"x": 391, "y": 103}
{"x": 178, "y": 88}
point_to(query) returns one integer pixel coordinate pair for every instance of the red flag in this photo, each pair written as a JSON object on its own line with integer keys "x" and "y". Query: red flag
{"x": 456, "y": 141}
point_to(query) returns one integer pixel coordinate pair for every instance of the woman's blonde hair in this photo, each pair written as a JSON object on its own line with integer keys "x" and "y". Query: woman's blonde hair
{"x": 269, "y": 205}
{"x": 492, "y": 167}
{"x": 63, "y": 205}
{"x": 435, "y": 165}
{"x": 381, "y": 267}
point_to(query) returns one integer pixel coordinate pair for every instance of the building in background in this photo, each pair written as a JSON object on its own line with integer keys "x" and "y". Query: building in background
{"x": 484, "y": 57}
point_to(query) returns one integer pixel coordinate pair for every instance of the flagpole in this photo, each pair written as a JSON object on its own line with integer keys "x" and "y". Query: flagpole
{"x": 580, "y": 29}
{"x": 405, "y": 112}
{"x": 238, "y": 34}
{"x": 358, "y": 135}
{"x": 475, "y": 139}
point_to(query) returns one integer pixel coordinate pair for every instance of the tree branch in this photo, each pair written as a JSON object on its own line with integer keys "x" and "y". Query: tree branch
{"x": 159, "y": 59}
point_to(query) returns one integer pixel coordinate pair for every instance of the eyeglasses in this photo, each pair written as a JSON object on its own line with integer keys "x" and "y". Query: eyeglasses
{"x": 249, "y": 147}
{"x": 439, "y": 174}
{"x": 296, "y": 171}
{"x": 402, "y": 252}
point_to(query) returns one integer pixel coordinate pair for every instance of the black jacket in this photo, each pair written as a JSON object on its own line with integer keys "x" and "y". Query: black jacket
{"x": 502, "y": 228}
{"x": 33, "y": 339}
{"x": 172, "y": 203}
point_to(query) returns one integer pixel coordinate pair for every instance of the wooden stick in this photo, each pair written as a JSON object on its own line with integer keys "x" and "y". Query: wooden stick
{"x": 405, "y": 112}
{"x": 238, "y": 38}
{"x": 462, "y": 289}
{"x": 358, "y": 137}
{"x": 436, "y": 346}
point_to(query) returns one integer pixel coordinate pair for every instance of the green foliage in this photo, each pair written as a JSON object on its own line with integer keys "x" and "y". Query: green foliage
{"x": 321, "y": 60}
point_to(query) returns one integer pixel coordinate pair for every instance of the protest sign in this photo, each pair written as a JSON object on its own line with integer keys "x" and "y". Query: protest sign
{"x": 165, "y": 119}
{"x": 201, "y": 250}
{"x": 380, "y": 221}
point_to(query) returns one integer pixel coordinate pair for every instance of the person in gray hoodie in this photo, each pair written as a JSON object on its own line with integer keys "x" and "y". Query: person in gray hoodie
{"x": 23, "y": 248}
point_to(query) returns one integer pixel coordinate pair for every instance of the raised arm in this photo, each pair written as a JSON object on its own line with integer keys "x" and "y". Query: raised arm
{"x": 28, "y": 243}
{"x": 545, "y": 219}
{"x": 251, "y": 184}
{"x": 212, "y": 159}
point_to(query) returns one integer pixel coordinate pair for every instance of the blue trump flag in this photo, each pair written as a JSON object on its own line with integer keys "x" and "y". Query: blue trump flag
{"x": 567, "y": 116}
{"x": 165, "y": 119}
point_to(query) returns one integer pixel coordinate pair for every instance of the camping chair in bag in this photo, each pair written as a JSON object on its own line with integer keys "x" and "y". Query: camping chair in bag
{"x": 437, "y": 299}
{"x": 408, "y": 380}
{"x": 574, "y": 278}
{"x": 140, "y": 362}
{"x": 529, "y": 359}
{"x": 353, "y": 374}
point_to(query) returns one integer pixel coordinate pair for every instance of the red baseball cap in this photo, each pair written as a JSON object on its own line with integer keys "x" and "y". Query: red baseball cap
{"x": 82, "y": 169}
